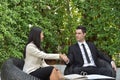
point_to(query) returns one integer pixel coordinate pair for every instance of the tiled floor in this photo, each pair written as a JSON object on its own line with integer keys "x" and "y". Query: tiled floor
{"x": 62, "y": 67}
{"x": 118, "y": 74}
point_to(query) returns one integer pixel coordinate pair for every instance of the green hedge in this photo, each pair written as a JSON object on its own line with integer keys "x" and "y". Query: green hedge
{"x": 58, "y": 19}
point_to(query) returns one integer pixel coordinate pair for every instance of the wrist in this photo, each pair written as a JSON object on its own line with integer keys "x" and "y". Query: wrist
{"x": 112, "y": 61}
{"x": 60, "y": 56}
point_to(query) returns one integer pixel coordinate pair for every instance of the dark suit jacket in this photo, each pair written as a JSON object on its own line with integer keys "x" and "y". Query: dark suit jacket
{"x": 75, "y": 55}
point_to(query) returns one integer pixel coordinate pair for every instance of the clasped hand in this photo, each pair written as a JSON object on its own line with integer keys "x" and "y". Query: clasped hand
{"x": 64, "y": 58}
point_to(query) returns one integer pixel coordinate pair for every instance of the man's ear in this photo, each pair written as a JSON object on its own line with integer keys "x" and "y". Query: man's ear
{"x": 84, "y": 34}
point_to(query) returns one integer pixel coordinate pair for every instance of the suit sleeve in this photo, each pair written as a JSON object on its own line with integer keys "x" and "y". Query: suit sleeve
{"x": 102, "y": 55}
{"x": 36, "y": 52}
{"x": 70, "y": 56}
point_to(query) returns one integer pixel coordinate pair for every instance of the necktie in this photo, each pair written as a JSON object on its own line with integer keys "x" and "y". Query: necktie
{"x": 86, "y": 54}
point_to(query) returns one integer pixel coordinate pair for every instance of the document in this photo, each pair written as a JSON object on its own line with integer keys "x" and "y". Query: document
{"x": 91, "y": 76}
{"x": 75, "y": 77}
{"x": 97, "y": 76}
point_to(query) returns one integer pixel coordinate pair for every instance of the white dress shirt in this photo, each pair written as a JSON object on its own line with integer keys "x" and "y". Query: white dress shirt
{"x": 89, "y": 55}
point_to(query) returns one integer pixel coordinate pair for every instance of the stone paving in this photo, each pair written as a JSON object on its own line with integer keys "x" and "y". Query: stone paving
{"x": 62, "y": 67}
{"x": 118, "y": 74}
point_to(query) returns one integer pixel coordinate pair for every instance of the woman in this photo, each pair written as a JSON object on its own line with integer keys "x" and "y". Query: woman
{"x": 34, "y": 58}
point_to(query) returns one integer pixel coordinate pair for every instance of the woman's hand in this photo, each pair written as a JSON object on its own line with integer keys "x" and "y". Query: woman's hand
{"x": 113, "y": 65}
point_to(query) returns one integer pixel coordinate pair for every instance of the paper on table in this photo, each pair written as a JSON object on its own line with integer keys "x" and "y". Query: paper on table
{"x": 96, "y": 76}
{"x": 74, "y": 76}
{"x": 92, "y": 76}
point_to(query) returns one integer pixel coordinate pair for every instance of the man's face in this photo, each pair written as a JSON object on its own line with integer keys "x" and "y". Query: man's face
{"x": 80, "y": 36}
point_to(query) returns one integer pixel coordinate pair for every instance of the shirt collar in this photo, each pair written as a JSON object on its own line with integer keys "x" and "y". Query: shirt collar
{"x": 80, "y": 43}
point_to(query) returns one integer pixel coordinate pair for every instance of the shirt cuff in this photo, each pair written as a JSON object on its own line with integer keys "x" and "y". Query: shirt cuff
{"x": 67, "y": 62}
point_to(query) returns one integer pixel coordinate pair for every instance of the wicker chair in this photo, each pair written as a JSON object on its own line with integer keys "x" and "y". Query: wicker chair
{"x": 12, "y": 70}
{"x": 102, "y": 63}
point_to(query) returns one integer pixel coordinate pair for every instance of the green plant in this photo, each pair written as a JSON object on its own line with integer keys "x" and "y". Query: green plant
{"x": 58, "y": 19}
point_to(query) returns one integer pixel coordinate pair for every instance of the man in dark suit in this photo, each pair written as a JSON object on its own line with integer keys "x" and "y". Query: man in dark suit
{"x": 83, "y": 56}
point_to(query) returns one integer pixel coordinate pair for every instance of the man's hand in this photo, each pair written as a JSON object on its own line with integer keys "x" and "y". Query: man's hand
{"x": 64, "y": 58}
{"x": 113, "y": 65}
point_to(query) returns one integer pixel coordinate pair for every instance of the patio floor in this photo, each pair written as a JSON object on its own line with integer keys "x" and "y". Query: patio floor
{"x": 62, "y": 67}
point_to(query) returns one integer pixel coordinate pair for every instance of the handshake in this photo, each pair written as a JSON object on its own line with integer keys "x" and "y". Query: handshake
{"x": 64, "y": 58}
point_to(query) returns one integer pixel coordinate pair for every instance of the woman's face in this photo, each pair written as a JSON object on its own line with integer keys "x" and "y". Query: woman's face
{"x": 41, "y": 36}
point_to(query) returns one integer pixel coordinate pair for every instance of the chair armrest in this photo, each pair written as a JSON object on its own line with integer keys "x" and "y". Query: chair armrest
{"x": 9, "y": 71}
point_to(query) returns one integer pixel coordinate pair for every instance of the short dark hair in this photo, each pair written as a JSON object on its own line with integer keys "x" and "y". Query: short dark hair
{"x": 82, "y": 28}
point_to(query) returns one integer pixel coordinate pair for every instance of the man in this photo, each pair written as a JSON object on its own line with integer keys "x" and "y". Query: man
{"x": 84, "y": 57}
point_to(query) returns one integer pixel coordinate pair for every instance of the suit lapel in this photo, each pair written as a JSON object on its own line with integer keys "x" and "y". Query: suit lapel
{"x": 78, "y": 48}
{"x": 78, "y": 52}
